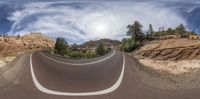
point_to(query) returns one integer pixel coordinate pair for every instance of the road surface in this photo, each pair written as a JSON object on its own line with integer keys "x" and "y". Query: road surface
{"x": 113, "y": 76}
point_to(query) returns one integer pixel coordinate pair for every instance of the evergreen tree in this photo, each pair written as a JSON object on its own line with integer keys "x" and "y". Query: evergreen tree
{"x": 170, "y": 31}
{"x": 151, "y": 30}
{"x": 135, "y": 31}
{"x": 148, "y": 36}
{"x": 61, "y": 45}
{"x": 181, "y": 30}
{"x": 100, "y": 50}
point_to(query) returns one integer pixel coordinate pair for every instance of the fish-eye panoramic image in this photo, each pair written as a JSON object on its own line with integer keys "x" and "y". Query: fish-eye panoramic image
{"x": 99, "y": 49}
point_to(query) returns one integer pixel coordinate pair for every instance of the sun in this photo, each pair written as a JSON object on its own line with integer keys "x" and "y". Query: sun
{"x": 100, "y": 28}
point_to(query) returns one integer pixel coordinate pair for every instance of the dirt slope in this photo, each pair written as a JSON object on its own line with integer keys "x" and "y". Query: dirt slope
{"x": 172, "y": 49}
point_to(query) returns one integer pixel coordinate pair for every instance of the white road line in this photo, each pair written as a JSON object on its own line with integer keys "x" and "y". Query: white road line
{"x": 79, "y": 63}
{"x": 52, "y": 92}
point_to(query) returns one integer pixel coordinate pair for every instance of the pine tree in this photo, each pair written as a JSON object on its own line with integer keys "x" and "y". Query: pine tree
{"x": 148, "y": 36}
{"x": 170, "y": 31}
{"x": 100, "y": 50}
{"x": 135, "y": 31}
{"x": 151, "y": 32}
{"x": 181, "y": 30}
{"x": 61, "y": 45}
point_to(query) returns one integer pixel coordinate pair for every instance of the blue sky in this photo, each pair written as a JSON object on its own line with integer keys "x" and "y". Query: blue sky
{"x": 81, "y": 20}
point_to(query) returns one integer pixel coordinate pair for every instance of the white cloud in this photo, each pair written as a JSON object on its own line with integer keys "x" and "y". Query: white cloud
{"x": 93, "y": 21}
{"x": 15, "y": 16}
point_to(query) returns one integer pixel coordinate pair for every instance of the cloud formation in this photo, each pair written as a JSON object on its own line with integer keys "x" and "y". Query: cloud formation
{"x": 82, "y": 21}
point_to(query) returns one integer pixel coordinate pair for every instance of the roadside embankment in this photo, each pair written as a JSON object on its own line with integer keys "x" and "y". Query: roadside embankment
{"x": 12, "y": 50}
{"x": 9, "y": 70}
{"x": 170, "y": 64}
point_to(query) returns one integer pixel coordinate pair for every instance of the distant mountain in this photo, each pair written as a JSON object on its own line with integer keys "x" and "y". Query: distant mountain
{"x": 106, "y": 42}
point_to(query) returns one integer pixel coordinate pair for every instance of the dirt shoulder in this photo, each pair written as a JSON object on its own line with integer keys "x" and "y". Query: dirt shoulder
{"x": 13, "y": 49}
{"x": 10, "y": 69}
{"x": 169, "y": 75}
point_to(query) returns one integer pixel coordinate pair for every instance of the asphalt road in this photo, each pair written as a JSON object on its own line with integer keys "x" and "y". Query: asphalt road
{"x": 112, "y": 76}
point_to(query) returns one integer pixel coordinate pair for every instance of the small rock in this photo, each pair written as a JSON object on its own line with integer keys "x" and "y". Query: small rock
{"x": 2, "y": 63}
{"x": 9, "y": 59}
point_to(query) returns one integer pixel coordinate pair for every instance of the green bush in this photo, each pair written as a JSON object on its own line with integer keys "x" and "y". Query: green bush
{"x": 108, "y": 50}
{"x": 128, "y": 44}
{"x": 89, "y": 54}
{"x": 100, "y": 50}
{"x": 74, "y": 54}
{"x": 79, "y": 54}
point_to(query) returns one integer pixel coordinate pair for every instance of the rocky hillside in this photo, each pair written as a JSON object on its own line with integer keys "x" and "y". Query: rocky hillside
{"x": 16, "y": 44}
{"x": 171, "y": 49}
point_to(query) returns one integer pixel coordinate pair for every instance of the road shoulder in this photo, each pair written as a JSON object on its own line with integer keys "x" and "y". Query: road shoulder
{"x": 9, "y": 76}
{"x": 165, "y": 81}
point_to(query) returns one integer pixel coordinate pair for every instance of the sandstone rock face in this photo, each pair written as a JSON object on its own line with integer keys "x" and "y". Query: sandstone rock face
{"x": 32, "y": 41}
{"x": 173, "y": 49}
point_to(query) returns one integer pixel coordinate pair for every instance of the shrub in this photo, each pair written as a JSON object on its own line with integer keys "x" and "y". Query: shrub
{"x": 108, "y": 50}
{"x": 100, "y": 50}
{"x": 90, "y": 55}
{"x": 128, "y": 45}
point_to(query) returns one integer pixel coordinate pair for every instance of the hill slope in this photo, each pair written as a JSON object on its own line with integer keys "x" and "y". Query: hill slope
{"x": 172, "y": 49}
{"x": 32, "y": 41}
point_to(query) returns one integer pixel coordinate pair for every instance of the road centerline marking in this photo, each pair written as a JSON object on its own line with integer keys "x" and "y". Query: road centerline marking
{"x": 101, "y": 92}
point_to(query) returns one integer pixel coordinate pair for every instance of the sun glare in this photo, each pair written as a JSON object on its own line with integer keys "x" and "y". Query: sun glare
{"x": 99, "y": 28}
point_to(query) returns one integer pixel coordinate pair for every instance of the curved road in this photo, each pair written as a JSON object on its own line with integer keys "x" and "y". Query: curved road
{"x": 112, "y": 76}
